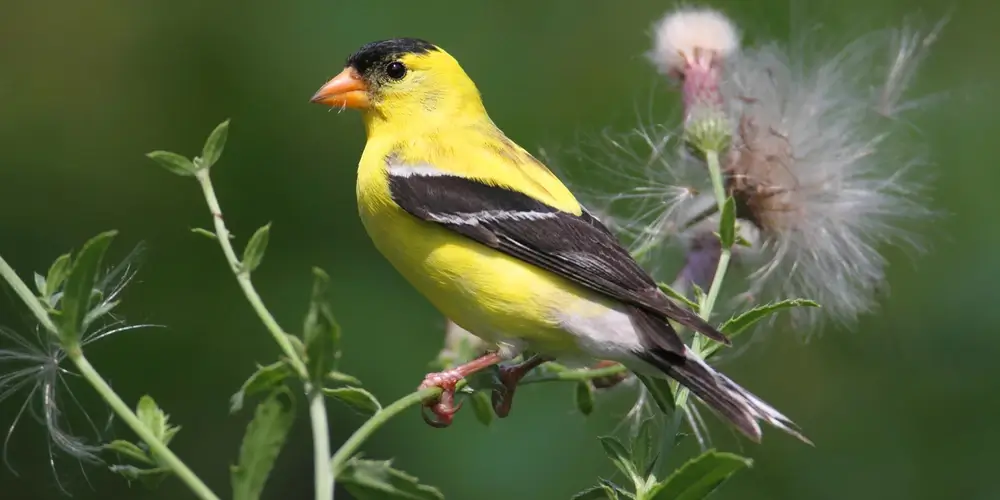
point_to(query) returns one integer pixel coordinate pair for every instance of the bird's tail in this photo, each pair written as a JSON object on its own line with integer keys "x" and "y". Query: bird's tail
{"x": 723, "y": 396}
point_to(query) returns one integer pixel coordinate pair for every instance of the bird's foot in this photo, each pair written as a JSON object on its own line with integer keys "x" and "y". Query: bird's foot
{"x": 510, "y": 376}
{"x": 443, "y": 407}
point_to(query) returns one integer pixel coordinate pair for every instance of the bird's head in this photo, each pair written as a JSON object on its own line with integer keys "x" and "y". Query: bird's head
{"x": 402, "y": 78}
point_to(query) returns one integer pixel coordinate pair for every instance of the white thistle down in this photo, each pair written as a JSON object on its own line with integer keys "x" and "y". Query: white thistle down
{"x": 813, "y": 167}
{"x": 35, "y": 367}
{"x": 818, "y": 164}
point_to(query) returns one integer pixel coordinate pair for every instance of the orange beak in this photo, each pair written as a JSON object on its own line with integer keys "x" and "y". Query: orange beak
{"x": 346, "y": 90}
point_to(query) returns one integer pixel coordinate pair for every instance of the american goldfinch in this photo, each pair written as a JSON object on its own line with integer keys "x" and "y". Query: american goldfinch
{"x": 499, "y": 245}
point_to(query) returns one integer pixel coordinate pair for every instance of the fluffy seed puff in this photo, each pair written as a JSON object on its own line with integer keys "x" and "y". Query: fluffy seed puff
{"x": 822, "y": 166}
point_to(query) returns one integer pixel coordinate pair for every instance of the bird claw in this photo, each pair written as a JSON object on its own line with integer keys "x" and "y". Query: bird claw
{"x": 443, "y": 406}
{"x": 503, "y": 397}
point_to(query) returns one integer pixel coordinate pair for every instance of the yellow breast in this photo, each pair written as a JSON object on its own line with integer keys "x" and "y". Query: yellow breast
{"x": 486, "y": 292}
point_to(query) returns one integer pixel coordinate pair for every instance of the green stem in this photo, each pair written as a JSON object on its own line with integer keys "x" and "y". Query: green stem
{"x": 354, "y": 442}
{"x": 708, "y": 302}
{"x": 715, "y": 174}
{"x": 321, "y": 445}
{"x": 161, "y": 450}
{"x": 350, "y": 447}
{"x": 317, "y": 406}
{"x": 29, "y": 299}
{"x": 223, "y": 236}
{"x": 576, "y": 375}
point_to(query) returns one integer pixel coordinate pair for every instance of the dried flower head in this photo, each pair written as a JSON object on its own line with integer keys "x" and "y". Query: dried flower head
{"x": 691, "y": 45}
{"x": 819, "y": 164}
{"x": 35, "y": 366}
{"x": 812, "y": 167}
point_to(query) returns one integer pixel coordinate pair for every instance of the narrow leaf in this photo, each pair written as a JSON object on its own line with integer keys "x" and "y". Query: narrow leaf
{"x": 79, "y": 289}
{"x": 321, "y": 333}
{"x": 262, "y": 443}
{"x": 150, "y": 478}
{"x": 40, "y": 284}
{"x": 214, "y": 145}
{"x": 154, "y": 418}
{"x": 660, "y": 390}
{"x": 343, "y": 378}
{"x": 584, "y": 397}
{"x": 645, "y": 447}
{"x": 727, "y": 223}
{"x": 57, "y": 274}
{"x": 620, "y": 457}
{"x": 613, "y": 491}
{"x": 375, "y": 479}
{"x": 204, "y": 232}
{"x": 674, "y": 294}
{"x": 356, "y": 398}
{"x": 482, "y": 407}
{"x": 265, "y": 378}
{"x": 129, "y": 450}
{"x": 592, "y": 493}
{"x": 173, "y": 162}
{"x": 737, "y": 324}
{"x": 253, "y": 254}
{"x": 700, "y": 476}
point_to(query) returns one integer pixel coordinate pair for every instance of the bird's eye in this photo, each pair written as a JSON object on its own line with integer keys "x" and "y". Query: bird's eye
{"x": 395, "y": 70}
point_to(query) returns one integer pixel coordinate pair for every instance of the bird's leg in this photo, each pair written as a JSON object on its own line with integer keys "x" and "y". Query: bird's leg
{"x": 443, "y": 407}
{"x": 510, "y": 376}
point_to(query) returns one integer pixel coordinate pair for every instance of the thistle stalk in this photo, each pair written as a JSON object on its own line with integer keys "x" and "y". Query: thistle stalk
{"x": 75, "y": 353}
{"x": 324, "y": 479}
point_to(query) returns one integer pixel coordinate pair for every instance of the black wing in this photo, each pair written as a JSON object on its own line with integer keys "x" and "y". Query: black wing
{"x": 579, "y": 248}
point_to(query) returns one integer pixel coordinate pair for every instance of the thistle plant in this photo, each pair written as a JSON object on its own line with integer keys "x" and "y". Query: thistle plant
{"x": 776, "y": 164}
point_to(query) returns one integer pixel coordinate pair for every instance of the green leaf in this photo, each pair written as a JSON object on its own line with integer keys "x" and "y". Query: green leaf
{"x": 737, "y": 324}
{"x": 482, "y": 407}
{"x": 343, "y": 378}
{"x": 377, "y": 480}
{"x": 155, "y": 419}
{"x": 173, "y": 162}
{"x": 660, "y": 390}
{"x": 262, "y": 443}
{"x": 57, "y": 274}
{"x": 356, "y": 398}
{"x": 265, "y": 378}
{"x": 79, "y": 289}
{"x": 727, "y": 223}
{"x": 150, "y": 478}
{"x": 204, "y": 232}
{"x": 40, "y": 284}
{"x": 645, "y": 447}
{"x": 700, "y": 476}
{"x": 129, "y": 450}
{"x": 592, "y": 493}
{"x": 584, "y": 397}
{"x": 620, "y": 457}
{"x": 674, "y": 294}
{"x": 320, "y": 333}
{"x": 699, "y": 294}
{"x": 253, "y": 254}
{"x": 613, "y": 491}
{"x": 214, "y": 145}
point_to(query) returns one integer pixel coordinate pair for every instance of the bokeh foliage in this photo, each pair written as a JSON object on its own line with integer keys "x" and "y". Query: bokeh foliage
{"x": 900, "y": 409}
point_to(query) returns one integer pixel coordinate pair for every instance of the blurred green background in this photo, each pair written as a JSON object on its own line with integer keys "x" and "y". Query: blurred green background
{"x": 903, "y": 408}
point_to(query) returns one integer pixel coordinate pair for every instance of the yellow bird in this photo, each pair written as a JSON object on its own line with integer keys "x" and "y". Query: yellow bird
{"x": 499, "y": 245}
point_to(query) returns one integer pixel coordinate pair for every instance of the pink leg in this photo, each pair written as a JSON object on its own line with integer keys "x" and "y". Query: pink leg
{"x": 510, "y": 376}
{"x": 443, "y": 407}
